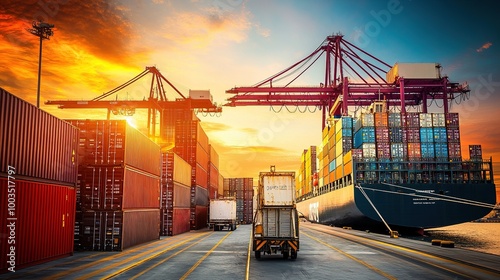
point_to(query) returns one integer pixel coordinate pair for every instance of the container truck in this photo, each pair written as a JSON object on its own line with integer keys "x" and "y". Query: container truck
{"x": 276, "y": 223}
{"x": 222, "y": 214}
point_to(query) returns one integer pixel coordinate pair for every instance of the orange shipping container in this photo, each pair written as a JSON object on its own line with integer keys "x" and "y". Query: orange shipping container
{"x": 339, "y": 172}
{"x": 381, "y": 119}
{"x": 348, "y": 168}
{"x": 332, "y": 177}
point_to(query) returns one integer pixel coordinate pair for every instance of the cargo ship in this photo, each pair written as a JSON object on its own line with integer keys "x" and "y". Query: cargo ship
{"x": 391, "y": 170}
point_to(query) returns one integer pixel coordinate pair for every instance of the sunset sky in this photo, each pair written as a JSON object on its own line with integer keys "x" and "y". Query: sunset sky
{"x": 219, "y": 44}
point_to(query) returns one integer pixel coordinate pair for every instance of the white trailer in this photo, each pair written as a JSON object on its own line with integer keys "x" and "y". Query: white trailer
{"x": 223, "y": 214}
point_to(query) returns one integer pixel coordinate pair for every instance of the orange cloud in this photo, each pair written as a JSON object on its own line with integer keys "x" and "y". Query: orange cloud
{"x": 484, "y": 47}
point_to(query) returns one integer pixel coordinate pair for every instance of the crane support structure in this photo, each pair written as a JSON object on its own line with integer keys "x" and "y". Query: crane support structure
{"x": 353, "y": 77}
{"x": 155, "y": 103}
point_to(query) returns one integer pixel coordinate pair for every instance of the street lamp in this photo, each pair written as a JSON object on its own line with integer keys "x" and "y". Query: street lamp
{"x": 44, "y": 31}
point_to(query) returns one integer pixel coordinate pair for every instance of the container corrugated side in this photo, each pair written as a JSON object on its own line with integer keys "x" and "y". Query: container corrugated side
{"x": 182, "y": 171}
{"x": 180, "y": 221}
{"x": 278, "y": 189}
{"x": 201, "y": 217}
{"x": 140, "y": 226}
{"x": 141, "y": 152}
{"x": 44, "y": 225}
{"x": 36, "y": 143}
{"x": 182, "y": 195}
{"x": 140, "y": 189}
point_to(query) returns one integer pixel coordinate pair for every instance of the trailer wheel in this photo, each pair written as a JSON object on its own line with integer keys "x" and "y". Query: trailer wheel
{"x": 294, "y": 255}
{"x": 257, "y": 254}
{"x": 285, "y": 255}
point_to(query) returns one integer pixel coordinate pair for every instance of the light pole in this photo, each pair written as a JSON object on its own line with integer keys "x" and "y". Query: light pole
{"x": 44, "y": 31}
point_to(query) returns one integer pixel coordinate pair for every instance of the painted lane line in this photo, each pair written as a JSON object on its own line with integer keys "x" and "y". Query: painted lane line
{"x": 204, "y": 257}
{"x": 247, "y": 272}
{"x": 386, "y": 275}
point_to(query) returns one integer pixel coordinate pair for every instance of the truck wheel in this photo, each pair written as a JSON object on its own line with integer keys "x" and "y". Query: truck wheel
{"x": 257, "y": 254}
{"x": 285, "y": 255}
{"x": 294, "y": 255}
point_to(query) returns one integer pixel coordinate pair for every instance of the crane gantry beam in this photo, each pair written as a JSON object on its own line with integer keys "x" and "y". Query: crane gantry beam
{"x": 155, "y": 103}
{"x": 336, "y": 94}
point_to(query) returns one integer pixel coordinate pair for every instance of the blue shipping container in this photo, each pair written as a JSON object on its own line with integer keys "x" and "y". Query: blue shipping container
{"x": 440, "y": 135}
{"x": 332, "y": 166}
{"x": 426, "y": 135}
{"x": 347, "y": 122}
{"x": 427, "y": 150}
{"x": 364, "y": 135}
{"x": 441, "y": 150}
{"x": 396, "y": 135}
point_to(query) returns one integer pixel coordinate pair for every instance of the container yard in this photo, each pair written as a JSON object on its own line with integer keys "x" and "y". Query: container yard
{"x": 390, "y": 162}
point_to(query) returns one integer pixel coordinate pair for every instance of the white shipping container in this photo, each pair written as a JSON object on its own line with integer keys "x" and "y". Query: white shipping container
{"x": 278, "y": 189}
{"x": 425, "y": 120}
{"x": 413, "y": 71}
{"x": 438, "y": 120}
{"x": 369, "y": 150}
{"x": 222, "y": 210}
{"x": 200, "y": 94}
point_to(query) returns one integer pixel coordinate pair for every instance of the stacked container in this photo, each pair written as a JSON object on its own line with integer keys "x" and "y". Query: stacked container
{"x": 453, "y": 134}
{"x": 213, "y": 173}
{"x": 38, "y": 171}
{"x": 119, "y": 186}
{"x": 304, "y": 181}
{"x": 191, "y": 144}
{"x": 242, "y": 190}
{"x": 175, "y": 195}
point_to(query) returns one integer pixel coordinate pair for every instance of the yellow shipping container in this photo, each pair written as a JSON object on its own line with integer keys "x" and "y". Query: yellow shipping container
{"x": 338, "y": 137}
{"x": 348, "y": 157}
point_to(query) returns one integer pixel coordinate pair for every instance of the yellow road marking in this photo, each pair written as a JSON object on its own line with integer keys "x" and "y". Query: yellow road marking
{"x": 82, "y": 267}
{"x": 166, "y": 259}
{"x": 106, "y": 268}
{"x": 247, "y": 272}
{"x": 386, "y": 275}
{"x": 427, "y": 255}
{"x": 204, "y": 257}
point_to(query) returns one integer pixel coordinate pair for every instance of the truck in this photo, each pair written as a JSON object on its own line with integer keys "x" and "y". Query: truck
{"x": 222, "y": 214}
{"x": 275, "y": 229}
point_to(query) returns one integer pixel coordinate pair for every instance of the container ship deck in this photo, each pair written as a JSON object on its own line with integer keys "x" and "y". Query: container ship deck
{"x": 402, "y": 171}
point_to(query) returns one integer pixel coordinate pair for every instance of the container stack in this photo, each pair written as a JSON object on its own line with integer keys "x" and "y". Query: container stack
{"x": 175, "y": 195}
{"x": 453, "y": 134}
{"x": 191, "y": 144}
{"x": 119, "y": 186}
{"x": 242, "y": 189}
{"x": 213, "y": 174}
{"x": 308, "y": 167}
{"x": 38, "y": 173}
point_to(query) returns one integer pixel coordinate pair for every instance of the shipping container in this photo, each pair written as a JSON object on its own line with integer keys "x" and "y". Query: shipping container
{"x": 452, "y": 120}
{"x": 440, "y": 135}
{"x": 398, "y": 150}
{"x": 413, "y": 71}
{"x": 414, "y": 150}
{"x": 381, "y": 119}
{"x": 366, "y": 119}
{"x": 36, "y": 143}
{"x": 411, "y": 120}
{"x": 382, "y": 134}
{"x": 201, "y": 217}
{"x": 453, "y": 134}
{"x": 427, "y": 150}
{"x": 441, "y": 150}
{"x": 278, "y": 189}
{"x": 369, "y": 150}
{"x": 222, "y": 213}
{"x": 41, "y": 220}
{"x": 454, "y": 150}
{"x": 426, "y": 135}
{"x": 394, "y": 120}
{"x": 357, "y": 154}
{"x": 425, "y": 120}
{"x": 396, "y": 135}
{"x": 438, "y": 120}
{"x": 118, "y": 230}
{"x": 383, "y": 150}
{"x": 364, "y": 135}
{"x": 475, "y": 152}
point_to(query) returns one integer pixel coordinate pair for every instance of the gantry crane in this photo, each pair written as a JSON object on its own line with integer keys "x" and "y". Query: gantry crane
{"x": 155, "y": 103}
{"x": 352, "y": 77}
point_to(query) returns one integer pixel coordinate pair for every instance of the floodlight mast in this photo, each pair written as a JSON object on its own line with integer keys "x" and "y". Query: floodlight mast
{"x": 42, "y": 30}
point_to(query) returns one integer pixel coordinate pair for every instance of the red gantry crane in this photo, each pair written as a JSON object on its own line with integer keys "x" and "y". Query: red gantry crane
{"x": 156, "y": 102}
{"x": 352, "y": 77}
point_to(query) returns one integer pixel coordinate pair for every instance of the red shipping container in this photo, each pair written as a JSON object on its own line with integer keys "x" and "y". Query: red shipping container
{"x": 453, "y": 134}
{"x": 382, "y": 134}
{"x": 384, "y": 150}
{"x": 201, "y": 177}
{"x": 36, "y": 143}
{"x": 180, "y": 221}
{"x": 200, "y": 218}
{"x": 411, "y": 135}
{"x": 40, "y": 219}
{"x": 118, "y": 230}
{"x": 452, "y": 120}
{"x": 411, "y": 119}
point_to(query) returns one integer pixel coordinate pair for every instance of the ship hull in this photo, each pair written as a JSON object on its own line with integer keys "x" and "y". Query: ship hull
{"x": 415, "y": 206}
